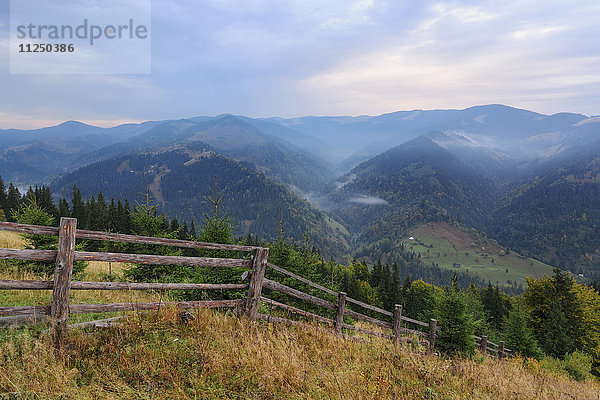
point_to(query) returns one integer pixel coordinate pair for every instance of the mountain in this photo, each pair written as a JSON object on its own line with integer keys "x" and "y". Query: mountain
{"x": 553, "y": 213}
{"x": 232, "y": 137}
{"x": 413, "y": 183}
{"x": 34, "y": 156}
{"x": 181, "y": 178}
{"x": 521, "y": 133}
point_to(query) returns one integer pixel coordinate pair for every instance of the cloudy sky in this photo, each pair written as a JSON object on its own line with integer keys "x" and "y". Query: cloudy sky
{"x": 330, "y": 57}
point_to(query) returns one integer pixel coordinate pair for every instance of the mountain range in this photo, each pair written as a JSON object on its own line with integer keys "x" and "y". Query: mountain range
{"x": 528, "y": 180}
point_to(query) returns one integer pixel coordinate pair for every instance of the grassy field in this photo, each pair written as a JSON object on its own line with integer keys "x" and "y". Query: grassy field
{"x": 216, "y": 355}
{"x": 461, "y": 249}
{"x": 219, "y": 356}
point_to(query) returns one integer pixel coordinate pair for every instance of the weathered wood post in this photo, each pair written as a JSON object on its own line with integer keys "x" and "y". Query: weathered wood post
{"x": 432, "y": 328}
{"x": 339, "y": 319}
{"x": 259, "y": 266}
{"x": 397, "y": 323}
{"x": 501, "y": 351}
{"x": 483, "y": 345}
{"x": 61, "y": 291}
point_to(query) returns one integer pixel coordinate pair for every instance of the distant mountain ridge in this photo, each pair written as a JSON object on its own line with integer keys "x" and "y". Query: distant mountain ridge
{"x": 526, "y": 179}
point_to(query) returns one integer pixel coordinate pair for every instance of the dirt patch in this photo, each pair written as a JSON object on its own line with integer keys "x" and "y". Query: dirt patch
{"x": 155, "y": 185}
{"x": 124, "y": 166}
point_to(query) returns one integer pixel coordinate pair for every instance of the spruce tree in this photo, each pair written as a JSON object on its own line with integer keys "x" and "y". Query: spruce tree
{"x": 518, "y": 336}
{"x": 456, "y": 326}
{"x": 78, "y": 207}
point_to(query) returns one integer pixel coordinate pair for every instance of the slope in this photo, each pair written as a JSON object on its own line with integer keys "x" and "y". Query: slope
{"x": 553, "y": 214}
{"x": 182, "y": 177}
{"x": 233, "y": 138}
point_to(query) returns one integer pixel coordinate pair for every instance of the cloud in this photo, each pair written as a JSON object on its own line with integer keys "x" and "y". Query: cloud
{"x": 368, "y": 200}
{"x": 299, "y": 57}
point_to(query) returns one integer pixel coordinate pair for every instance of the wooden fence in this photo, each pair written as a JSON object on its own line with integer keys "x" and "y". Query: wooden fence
{"x": 254, "y": 282}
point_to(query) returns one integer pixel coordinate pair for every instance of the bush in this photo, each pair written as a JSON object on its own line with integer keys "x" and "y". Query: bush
{"x": 576, "y": 365}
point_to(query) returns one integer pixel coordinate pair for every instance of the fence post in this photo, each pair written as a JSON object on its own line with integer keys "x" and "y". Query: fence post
{"x": 397, "y": 323}
{"x": 255, "y": 287}
{"x": 432, "y": 327}
{"x": 61, "y": 291}
{"x": 483, "y": 345}
{"x": 501, "y": 351}
{"x": 339, "y": 319}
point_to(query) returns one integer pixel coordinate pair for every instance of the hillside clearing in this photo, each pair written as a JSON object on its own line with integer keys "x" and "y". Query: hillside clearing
{"x": 460, "y": 249}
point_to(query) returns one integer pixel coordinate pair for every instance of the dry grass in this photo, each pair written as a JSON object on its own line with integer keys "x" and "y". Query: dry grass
{"x": 218, "y": 356}
{"x": 11, "y": 240}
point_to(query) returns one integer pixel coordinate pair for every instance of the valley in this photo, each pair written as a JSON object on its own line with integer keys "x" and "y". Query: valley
{"x": 357, "y": 186}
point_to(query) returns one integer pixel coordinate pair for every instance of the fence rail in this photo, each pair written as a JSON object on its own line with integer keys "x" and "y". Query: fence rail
{"x": 65, "y": 256}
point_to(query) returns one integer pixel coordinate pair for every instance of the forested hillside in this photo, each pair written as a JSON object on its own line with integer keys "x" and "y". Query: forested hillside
{"x": 181, "y": 179}
{"x": 412, "y": 184}
{"x": 555, "y": 214}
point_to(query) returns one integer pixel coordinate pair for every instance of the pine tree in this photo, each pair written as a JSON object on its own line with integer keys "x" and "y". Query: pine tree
{"x": 78, "y": 207}
{"x": 3, "y": 196}
{"x": 456, "y": 336}
{"x": 13, "y": 200}
{"x": 63, "y": 208}
{"x": 518, "y": 336}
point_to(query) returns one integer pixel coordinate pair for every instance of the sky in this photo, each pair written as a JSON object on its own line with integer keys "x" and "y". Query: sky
{"x": 292, "y": 58}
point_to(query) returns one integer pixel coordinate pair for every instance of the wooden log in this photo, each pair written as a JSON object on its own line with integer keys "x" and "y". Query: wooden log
{"x": 366, "y": 331}
{"x": 99, "y": 322}
{"x": 119, "y": 237}
{"x": 119, "y": 307}
{"x": 272, "y": 285}
{"x": 414, "y": 321}
{"x": 7, "y": 284}
{"x": 301, "y": 279}
{"x": 397, "y": 323}
{"x": 30, "y": 229}
{"x": 432, "y": 328}
{"x": 271, "y": 318}
{"x": 366, "y": 318}
{"x": 19, "y": 320}
{"x": 339, "y": 319}
{"x": 259, "y": 266}
{"x": 75, "y": 285}
{"x": 326, "y": 290}
{"x": 25, "y": 310}
{"x": 161, "y": 260}
{"x": 414, "y": 332}
{"x": 297, "y": 311}
{"x": 483, "y": 344}
{"x": 501, "y": 350}
{"x": 61, "y": 290}
{"x": 78, "y": 285}
{"x": 27, "y": 254}
{"x": 369, "y": 307}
